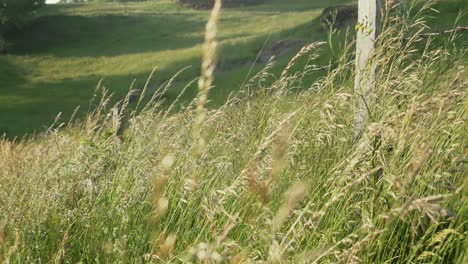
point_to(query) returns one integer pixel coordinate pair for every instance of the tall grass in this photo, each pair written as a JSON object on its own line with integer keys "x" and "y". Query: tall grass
{"x": 280, "y": 178}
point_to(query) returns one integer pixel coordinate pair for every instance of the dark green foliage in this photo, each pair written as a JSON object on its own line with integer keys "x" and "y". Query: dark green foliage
{"x": 205, "y": 4}
{"x": 13, "y": 13}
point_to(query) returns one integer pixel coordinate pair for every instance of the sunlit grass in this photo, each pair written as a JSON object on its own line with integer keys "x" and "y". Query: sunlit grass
{"x": 279, "y": 179}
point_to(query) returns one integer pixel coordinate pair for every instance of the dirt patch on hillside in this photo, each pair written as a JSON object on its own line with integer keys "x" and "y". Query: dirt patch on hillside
{"x": 338, "y": 17}
{"x": 279, "y": 48}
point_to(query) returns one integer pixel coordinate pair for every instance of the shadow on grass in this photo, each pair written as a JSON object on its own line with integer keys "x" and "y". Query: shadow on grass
{"x": 107, "y": 35}
{"x": 10, "y": 74}
{"x": 11, "y": 78}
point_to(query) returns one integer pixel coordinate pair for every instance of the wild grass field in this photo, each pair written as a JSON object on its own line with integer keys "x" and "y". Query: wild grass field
{"x": 272, "y": 175}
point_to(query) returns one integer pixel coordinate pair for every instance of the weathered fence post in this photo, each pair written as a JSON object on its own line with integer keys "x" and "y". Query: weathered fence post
{"x": 368, "y": 27}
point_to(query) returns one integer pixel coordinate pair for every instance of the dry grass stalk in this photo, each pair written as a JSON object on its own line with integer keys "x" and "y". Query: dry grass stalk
{"x": 166, "y": 247}
{"x": 207, "y": 76}
{"x": 294, "y": 196}
{"x": 306, "y": 49}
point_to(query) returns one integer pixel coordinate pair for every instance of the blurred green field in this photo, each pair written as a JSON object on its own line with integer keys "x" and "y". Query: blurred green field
{"x": 57, "y": 61}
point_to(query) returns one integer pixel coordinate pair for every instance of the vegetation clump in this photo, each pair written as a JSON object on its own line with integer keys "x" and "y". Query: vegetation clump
{"x": 13, "y": 13}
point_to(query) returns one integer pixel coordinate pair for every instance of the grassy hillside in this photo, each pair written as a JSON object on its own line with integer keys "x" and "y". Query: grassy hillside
{"x": 274, "y": 175}
{"x": 58, "y": 61}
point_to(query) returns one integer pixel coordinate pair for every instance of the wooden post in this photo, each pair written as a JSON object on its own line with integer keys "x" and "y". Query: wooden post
{"x": 368, "y": 27}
